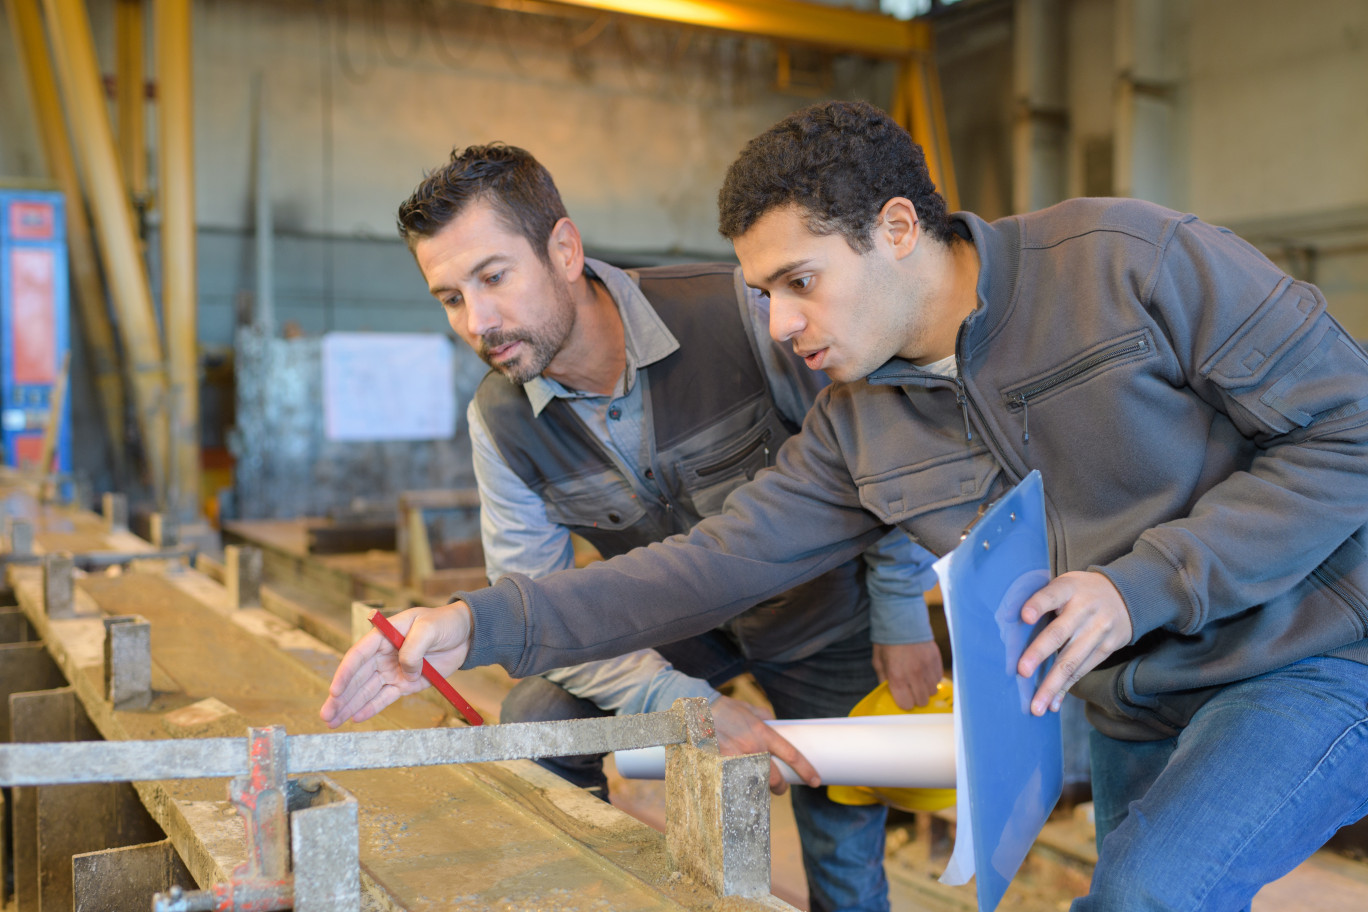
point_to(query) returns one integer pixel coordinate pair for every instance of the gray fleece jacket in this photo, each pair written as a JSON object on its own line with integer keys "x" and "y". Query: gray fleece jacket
{"x": 1200, "y": 421}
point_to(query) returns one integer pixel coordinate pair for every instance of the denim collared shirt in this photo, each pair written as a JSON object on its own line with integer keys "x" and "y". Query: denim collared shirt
{"x": 519, "y": 538}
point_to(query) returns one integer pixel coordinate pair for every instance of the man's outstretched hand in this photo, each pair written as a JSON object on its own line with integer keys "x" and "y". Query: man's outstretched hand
{"x": 373, "y": 674}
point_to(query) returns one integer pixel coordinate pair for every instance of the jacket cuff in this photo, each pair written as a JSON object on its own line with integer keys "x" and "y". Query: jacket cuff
{"x": 1152, "y": 588}
{"x": 498, "y": 625}
{"x": 680, "y": 686}
{"x": 895, "y": 621}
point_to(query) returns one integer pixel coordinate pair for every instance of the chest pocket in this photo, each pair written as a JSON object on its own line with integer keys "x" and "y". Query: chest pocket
{"x": 603, "y": 500}
{"x": 935, "y": 500}
{"x": 708, "y": 478}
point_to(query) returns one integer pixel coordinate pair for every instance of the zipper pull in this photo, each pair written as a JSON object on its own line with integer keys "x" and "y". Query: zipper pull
{"x": 963, "y": 401}
{"x": 767, "y": 456}
{"x": 1025, "y": 418}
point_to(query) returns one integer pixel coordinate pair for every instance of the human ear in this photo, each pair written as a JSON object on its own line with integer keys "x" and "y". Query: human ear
{"x": 566, "y": 249}
{"x": 899, "y": 226}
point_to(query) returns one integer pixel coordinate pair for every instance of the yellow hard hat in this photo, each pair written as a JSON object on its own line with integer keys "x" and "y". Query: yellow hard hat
{"x": 880, "y": 702}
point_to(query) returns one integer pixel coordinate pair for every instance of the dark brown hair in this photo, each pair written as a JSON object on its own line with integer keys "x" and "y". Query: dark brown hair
{"x": 516, "y": 184}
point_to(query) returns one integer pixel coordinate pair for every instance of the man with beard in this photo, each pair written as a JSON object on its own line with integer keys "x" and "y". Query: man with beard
{"x": 625, "y": 407}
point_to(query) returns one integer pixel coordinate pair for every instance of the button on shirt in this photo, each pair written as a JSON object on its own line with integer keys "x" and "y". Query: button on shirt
{"x": 519, "y": 538}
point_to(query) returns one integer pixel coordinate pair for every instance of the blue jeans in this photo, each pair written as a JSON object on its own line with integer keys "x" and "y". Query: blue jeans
{"x": 1261, "y": 777}
{"x": 843, "y": 846}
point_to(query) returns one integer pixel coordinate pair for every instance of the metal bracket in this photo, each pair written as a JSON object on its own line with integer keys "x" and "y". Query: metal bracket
{"x": 165, "y": 531}
{"x": 128, "y": 661}
{"x": 59, "y": 585}
{"x": 20, "y": 536}
{"x": 242, "y": 572}
{"x": 115, "y": 509}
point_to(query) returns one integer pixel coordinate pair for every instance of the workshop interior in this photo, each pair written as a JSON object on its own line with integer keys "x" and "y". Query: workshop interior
{"x": 235, "y": 437}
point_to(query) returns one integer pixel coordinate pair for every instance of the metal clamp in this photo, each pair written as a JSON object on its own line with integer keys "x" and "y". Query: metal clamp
{"x": 310, "y": 821}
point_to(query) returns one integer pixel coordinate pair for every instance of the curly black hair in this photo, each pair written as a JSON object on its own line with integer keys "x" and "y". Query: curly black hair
{"x": 840, "y": 161}
{"x": 516, "y": 184}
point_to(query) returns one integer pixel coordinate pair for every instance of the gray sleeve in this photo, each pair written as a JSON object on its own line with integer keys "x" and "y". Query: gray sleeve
{"x": 790, "y": 524}
{"x": 517, "y": 535}
{"x": 1261, "y": 348}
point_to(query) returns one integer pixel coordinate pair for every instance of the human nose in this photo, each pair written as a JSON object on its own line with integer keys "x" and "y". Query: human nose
{"x": 482, "y": 317}
{"x": 785, "y": 321}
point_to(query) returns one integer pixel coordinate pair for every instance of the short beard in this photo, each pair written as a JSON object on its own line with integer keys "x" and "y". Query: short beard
{"x": 543, "y": 342}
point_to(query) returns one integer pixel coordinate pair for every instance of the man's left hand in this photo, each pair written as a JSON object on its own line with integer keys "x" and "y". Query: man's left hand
{"x": 912, "y": 671}
{"x": 1090, "y": 623}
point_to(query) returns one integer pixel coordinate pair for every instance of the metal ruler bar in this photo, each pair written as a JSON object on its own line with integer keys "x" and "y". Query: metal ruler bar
{"x": 209, "y": 758}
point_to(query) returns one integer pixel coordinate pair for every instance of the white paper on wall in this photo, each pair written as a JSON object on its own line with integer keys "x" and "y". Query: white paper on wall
{"x": 388, "y": 386}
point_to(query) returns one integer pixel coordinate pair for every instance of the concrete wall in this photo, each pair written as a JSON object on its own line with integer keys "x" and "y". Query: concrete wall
{"x": 637, "y": 123}
{"x": 1248, "y": 113}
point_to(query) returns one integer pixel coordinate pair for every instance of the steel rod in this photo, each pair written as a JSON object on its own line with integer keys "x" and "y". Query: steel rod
{"x": 71, "y": 763}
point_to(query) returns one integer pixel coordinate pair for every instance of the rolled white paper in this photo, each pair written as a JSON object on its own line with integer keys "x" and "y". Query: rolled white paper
{"x": 911, "y": 751}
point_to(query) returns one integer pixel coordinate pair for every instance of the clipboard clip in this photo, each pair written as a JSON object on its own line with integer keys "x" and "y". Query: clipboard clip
{"x": 983, "y": 508}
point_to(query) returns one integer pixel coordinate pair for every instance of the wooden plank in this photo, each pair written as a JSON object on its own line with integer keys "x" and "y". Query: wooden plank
{"x": 437, "y": 838}
{"x": 350, "y": 538}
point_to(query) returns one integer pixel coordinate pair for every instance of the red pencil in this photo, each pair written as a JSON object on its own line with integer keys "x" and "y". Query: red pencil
{"x": 443, "y": 686}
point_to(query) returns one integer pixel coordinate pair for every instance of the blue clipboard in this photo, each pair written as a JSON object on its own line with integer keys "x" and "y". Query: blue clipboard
{"x": 1012, "y": 762}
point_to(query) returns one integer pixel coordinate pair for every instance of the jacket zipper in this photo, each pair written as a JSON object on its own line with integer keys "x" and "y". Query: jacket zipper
{"x": 738, "y": 458}
{"x": 966, "y": 403}
{"x": 1021, "y": 398}
{"x": 1339, "y": 590}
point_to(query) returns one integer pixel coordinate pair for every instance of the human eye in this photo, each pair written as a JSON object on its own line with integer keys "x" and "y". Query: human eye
{"x": 452, "y": 301}
{"x": 802, "y": 283}
{"x": 494, "y": 278}
{"x": 762, "y": 293}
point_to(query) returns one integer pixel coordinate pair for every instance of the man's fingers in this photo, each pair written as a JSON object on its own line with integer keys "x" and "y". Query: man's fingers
{"x": 337, "y": 710}
{"x": 905, "y": 694}
{"x": 1051, "y": 597}
{"x": 1080, "y": 657}
{"x": 358, "y": 657}
{"x": 1047, "y": 643}
{"x": 779, "y": 747}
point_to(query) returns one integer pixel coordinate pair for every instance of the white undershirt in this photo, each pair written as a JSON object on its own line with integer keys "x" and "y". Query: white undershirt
{"x": 945, "y": 367}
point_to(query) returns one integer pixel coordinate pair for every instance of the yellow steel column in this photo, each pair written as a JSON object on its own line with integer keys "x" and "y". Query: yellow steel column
{"x": 917, "y": 106}
{"x": 176, "y": 155}
{"x": 935, "y": 101}
{"x": 79, "y": 76}
{"x": 27, "y": 22}
{"x": 130, "y": 99}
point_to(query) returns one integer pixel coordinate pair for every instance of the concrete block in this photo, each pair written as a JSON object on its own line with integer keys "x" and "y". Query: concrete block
{"x": 717, "y": 810}
{"x": 360, "y": 617}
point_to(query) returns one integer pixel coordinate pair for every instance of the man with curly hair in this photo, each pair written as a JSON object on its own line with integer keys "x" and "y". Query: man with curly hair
{"x": 1201, "y": 423}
